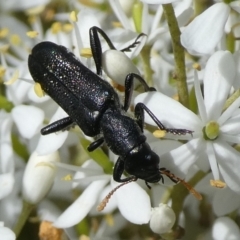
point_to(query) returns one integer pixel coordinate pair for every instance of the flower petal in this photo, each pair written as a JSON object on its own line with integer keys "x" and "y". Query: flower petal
{"x": 203, "y": 34}
{"x": 39, "y": 176}
{"x": 225, "y": 201}
{"x": 179, "y": 160}
{"x": 225, "y": 228}
{"x": 228, "y": 161}
{"x": 52, "y": 142}
{"x": 6, "y": 184}
{"x": 136, "y": 210}
{"x": 218, "y": 78}
{"x": 28, "y": 119}
{"x": 7, "y": 233}
{"x": 168, "y": 111}
{"x": 81, "y": 207}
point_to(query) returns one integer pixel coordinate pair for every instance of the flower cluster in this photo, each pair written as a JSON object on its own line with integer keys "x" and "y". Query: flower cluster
{"x": 190, "y": 55}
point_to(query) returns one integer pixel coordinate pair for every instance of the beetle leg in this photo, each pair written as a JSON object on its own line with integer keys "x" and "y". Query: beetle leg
{"x": 139, "y": 113}
{"x": 96, "y": 46}
{"x": 129, "y": 48}
{"x": 118, "y": 171}
{"x": 94, "y": 145}
{"x": 59, "y": 125}
{"x": 129, "y": 84}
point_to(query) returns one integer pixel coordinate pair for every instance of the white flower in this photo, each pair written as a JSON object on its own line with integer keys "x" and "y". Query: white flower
{"x": 162, "y": 219}
{"x": 214, "y": 131}
{"x": 39, "y": 176}
{"x": 224, "y": 228}
{"x": 94, "y": 180}
{"x": 203, "y": 34}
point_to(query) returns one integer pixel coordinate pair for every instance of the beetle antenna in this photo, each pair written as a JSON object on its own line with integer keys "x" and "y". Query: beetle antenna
{"x": 187, "y": 185}
{"x": 104, "y": 202}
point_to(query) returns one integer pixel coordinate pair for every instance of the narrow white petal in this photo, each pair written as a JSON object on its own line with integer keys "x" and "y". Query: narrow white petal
{"x": 6, "y": 184}
{"x": 230, "y": 137}
{"x": 179, "y": 160}
{"x": 120, "y": 14}
{"x": 218, "y": 78}
{"x": 225, "y": 228}
{"x": 212, "y": 160}
{"x": 203, "y": 34}
{"x": 228, "y": 162}
{"x": 225, "y": 201}
{"x": 86, "y": 19}
{"x": 133, "y": 203}
{"x": 199, "y": 97}
{"x": 81, "y": 207}
{"x": 168, "y": 111}
{"x": 229, "y": 112}
{"x": 28, "y": 119}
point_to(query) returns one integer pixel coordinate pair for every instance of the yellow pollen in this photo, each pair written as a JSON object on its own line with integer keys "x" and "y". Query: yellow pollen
{"x": 117, "y": 25}
{"x": 217, "y": 183}
{"x": 35, "y": 10}
{"x": 175, "y": 97}
{"x": 73, "y": 16}
{"x": 86, "y": 52}
{"x": 15, "y": 39}
{"x": 68, "y": 177}
{"x": 67, "y": 27}
{"x": 197, "y": 66}
{"x": 4, "y": 48}
{"x": 2, "y": 71}
{"x": 159, "y": 133}
{"x": 32, "y": 34}
{"x": 38, "y": 90}
{"x": 4, "y": 32}
{"x": 13, "y": 79}
{"x": 56, "y": 27}
{"x": 109, "y": 219}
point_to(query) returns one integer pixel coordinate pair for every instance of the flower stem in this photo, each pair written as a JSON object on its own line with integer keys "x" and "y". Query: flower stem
{"x": 26, "y": 210}
{"x": 178, "y": 51}
{"x": 148, "y": 72}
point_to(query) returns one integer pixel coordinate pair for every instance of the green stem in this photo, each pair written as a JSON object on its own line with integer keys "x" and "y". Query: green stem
{"x": 26, "y": 210}
{"x": 148, "y": 72}
{"x": 231, "y": 99}
{"x": 178, "y": 52}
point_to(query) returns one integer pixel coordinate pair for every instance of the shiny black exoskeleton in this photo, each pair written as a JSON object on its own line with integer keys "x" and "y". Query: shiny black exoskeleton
{"x": 94, "y": 106}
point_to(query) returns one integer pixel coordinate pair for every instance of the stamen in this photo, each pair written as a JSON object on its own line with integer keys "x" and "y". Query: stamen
{"x": 218, "y": 183}
{"x": 32, "y": 34}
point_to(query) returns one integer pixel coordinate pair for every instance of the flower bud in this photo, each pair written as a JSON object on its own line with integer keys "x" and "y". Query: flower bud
{"x": 6, "y": 233}
{"x": 117, "y": 66}
{"x": 39, "y": 176}
{"x": 162, "y": 219}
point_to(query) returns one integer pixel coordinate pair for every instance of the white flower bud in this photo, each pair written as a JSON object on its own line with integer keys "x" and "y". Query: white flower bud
{"x": 225, "y": 228}
{"x": 117, "y": 66}
{"x": 162, "y": 219}
{"x": 39, "y": 176}
{"x": 6, "y": 233}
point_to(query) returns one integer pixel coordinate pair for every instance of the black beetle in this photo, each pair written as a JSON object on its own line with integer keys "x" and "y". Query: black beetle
{"x": 94, "y": 106}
